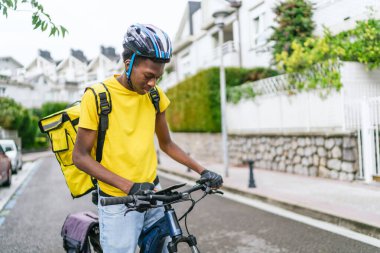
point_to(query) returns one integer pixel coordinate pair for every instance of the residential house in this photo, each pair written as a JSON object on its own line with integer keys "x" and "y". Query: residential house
{"x": 12, "y": 82}
{"x": 46, "y": 79}
{"x": 102, "y": 66}
{"x": 42, "y": 64}
{"x": 71, "y": 73}
{"x": 21, "y": 92}
{"x": 73, "y": 69}
{"x": 246, "y": 30}
{"x": 348, "y": 118}
{"x": 10, "y": 67}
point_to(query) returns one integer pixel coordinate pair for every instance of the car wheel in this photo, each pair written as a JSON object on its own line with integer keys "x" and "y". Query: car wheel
{"x": 9, "y": 180}
{"x": 15, "y": 171}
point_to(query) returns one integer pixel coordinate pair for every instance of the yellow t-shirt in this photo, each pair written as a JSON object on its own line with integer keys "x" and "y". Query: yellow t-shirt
{"x": 128, "y": 149}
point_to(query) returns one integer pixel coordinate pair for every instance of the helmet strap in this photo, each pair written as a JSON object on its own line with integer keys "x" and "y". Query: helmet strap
{"x": 129, "y": 72}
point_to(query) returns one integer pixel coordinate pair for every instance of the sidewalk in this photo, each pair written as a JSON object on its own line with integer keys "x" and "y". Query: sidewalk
{"x": 355, "y": 205}
{"x": 30, "y": 157}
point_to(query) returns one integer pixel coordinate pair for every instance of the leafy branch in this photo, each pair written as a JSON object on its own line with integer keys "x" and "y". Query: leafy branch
{"x": 40, "y": 19}
{"x": 318, "y": 59}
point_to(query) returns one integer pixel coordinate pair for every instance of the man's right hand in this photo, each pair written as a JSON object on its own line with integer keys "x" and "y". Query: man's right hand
{"x": 139, "y": 188}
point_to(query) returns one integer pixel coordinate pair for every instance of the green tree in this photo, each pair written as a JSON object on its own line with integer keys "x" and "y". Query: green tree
{"x": 14, "y": 116}
{"x": 28, "y": 129}
{"x": 318, "y": 59}
{"x": 40, "y": 19}
{"x": 52, "y": 107}
{"x": 294, "y": 23}
{"x": 11, "y": 113}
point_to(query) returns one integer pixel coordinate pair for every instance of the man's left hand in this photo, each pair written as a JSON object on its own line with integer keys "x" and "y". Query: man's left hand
{"x": 215, "y": 179}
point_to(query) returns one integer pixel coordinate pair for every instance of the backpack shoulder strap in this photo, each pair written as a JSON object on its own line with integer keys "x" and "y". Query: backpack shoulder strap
{"x": 155, "y": 98}
{"x": 104, "y": 107}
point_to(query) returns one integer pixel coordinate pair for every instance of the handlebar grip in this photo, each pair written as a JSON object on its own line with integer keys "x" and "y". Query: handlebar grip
{"x": 116, "y": 200}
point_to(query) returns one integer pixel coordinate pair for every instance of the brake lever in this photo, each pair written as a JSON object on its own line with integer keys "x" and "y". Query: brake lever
{"x": 213, "y": 191}
{"x": 218, "y": 192}
{"x": 138, "y": 205}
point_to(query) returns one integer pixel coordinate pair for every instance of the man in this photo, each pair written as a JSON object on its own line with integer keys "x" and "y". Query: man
{"x": 129, "y": 159}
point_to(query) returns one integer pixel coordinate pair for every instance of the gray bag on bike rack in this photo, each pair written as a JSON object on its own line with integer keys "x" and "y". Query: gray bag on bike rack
{"x": 78, "y": 230}
{"x": 151, "y": 239}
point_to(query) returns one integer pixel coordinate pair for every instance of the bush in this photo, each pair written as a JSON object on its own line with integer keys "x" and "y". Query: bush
{"x": 318, "y": 59}
{"x": 14, "y": 116}
{"x": 196, "y": 101}
{"x": 51, "y": 107}
{"x": 295, "y": 23}
{"x": 259, "y": 73}
{"x": 28, "y": 129}
{"x": 244, "y": 90}
{"x": 11, "y": 113}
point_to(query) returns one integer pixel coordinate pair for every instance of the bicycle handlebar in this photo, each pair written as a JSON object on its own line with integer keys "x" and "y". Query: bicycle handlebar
{"x": 166, "y": 197}
{"x": 116, "y": 200}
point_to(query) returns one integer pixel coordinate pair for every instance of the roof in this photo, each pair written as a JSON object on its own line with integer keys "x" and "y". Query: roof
{"x": 45, "y": 54}
{"x": 110, "y": 53}
{"x": 78, "y": 54}
{"x": 9, "y": 59}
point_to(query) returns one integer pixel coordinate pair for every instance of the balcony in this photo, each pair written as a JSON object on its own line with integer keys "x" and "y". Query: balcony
{"x": 230, "y": 54}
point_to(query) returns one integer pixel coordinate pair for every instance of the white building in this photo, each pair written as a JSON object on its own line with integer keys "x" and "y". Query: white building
{"x": 102, "y": 66}
{"x": 73, "y": 69}
{"x": 46, "y": 80}
{"x": 42, "y": 64}
{"x": 196, "y": 42}
{"x": 9, "y": 67}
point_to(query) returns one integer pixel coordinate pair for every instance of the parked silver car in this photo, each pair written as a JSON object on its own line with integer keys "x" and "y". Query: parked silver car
{"x": 14, "y": 153}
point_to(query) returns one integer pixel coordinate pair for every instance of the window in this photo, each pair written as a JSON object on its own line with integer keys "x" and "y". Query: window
{"x": 185, "y": 64}
{"x": 258, "y": 35}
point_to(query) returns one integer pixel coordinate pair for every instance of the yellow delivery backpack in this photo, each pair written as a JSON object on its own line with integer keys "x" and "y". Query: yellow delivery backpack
{"x": 62, "y": 126}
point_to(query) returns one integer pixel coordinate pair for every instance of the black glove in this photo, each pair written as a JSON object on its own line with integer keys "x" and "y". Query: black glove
{"x": 139, "y": 188}
{"x": 215, "y": 179}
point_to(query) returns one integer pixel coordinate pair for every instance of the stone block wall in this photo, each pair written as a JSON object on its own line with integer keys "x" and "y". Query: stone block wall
{"x": 319, "y": 155}
{"x": 201, "y": 146}
{"x": 333, "y": 157}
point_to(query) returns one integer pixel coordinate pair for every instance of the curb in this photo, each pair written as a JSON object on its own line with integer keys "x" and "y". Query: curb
{"x": 353, "y": 225}
{"x": 31, "y": 157}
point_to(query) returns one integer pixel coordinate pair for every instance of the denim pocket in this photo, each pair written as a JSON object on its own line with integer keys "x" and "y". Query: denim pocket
{"x": 113, "y": 209}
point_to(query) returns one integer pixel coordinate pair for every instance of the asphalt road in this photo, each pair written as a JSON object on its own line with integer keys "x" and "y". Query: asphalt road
{"x": 34, "y": 219}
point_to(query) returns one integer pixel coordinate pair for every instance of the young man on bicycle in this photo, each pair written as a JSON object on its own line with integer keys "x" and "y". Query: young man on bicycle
{"x": 129, "y": 159}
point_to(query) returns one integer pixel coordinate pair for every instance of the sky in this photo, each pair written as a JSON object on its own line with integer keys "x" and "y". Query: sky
{"x": 91, "y": 23}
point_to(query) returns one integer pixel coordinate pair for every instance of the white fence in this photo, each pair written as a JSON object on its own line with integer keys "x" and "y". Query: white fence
{"x": 275, "y": 110}
{"x": 369, "y": 138}
{"x": 354, "y": 109}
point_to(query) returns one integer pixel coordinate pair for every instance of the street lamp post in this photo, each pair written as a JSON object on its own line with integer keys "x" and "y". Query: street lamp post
{"x": 219, "y": 21}
{"x": 236, "y": 4}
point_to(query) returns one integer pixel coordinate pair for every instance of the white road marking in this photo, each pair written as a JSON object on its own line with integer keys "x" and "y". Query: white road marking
{"x": 17, "y": 180}
{"x": 287, "y": 214}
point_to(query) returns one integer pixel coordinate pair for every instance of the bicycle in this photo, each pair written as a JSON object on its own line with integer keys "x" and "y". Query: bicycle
{"x": 165, "y": 198}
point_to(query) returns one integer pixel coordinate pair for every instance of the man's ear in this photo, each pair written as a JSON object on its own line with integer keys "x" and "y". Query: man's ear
{"x": 126, "y": 63}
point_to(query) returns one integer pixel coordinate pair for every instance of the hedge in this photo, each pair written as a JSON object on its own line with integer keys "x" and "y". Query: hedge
{"x": 195, "y": 102}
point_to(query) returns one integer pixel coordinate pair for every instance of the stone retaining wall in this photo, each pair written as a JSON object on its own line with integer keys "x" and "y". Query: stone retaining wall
{"x": 326, "y": 156}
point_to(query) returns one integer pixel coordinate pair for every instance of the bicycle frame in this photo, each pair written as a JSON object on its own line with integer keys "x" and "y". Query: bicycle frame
{"x": 176, "y": 234}
{"x": 167, "y": 197}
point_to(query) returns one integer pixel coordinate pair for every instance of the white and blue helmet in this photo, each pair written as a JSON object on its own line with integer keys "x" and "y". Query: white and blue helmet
{"x": 147, "y": 41}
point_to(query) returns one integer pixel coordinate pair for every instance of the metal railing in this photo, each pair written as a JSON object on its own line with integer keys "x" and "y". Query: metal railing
{"x": 228, "y": 47}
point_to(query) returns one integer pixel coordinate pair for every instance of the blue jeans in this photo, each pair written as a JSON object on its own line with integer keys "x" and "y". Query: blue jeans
{"x": 119, "y": 233}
